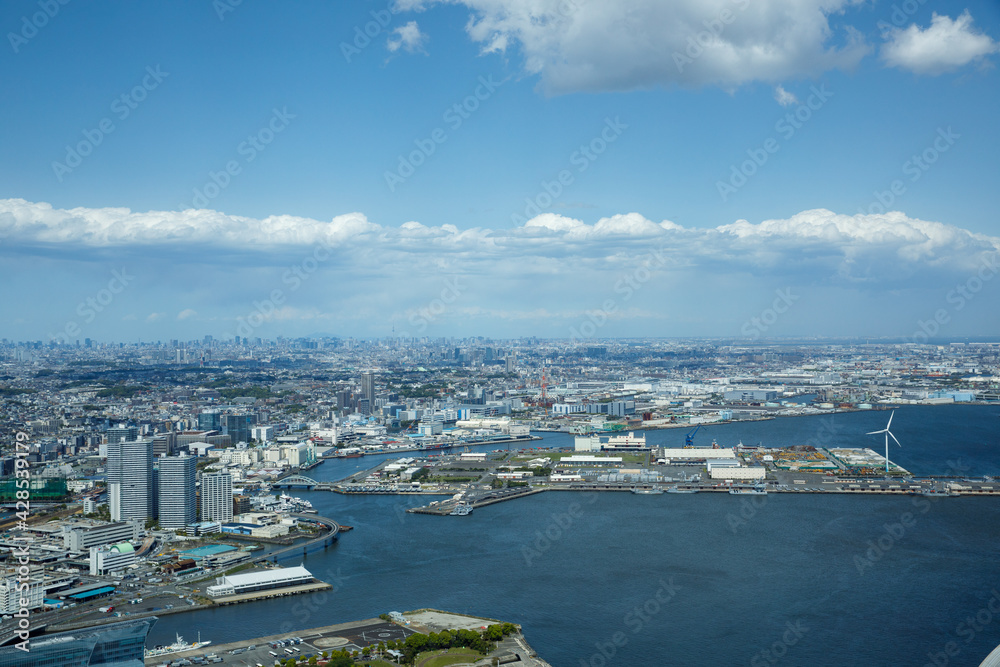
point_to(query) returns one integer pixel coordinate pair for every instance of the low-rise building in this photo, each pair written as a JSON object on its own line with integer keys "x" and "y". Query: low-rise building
{"x": 237, "y": 584}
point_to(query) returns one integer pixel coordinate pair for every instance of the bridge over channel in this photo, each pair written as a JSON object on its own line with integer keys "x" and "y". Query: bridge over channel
{"x": 301, "y": 482}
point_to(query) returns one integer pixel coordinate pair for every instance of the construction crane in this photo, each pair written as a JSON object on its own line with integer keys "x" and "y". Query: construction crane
{"x": 689, "y": 438}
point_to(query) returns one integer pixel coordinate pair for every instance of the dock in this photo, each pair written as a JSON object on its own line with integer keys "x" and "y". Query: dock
{"x": 272, "y": 593}
{"x": 476, "y": 501}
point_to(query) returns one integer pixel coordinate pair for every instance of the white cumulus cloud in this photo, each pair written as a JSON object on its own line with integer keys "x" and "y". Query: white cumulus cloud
{"x": 407, "y": 37}
{"x": 818, "y": 243}
{"x": 581, "y": 45}
{"x": 944, "y": 46}
{"x": 784, "y": 98}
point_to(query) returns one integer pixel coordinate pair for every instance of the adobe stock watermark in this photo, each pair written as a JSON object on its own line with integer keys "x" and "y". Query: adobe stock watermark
{"x": 248, "y": 150}
{"x": 703, "y": 39}
{"x": 559, "y": 524}
{"x": 20, "y": 552}
{"x": 915, "y": 167}
{"x": 759, "y": 324}
{"x": 365, "y": 34}
{"x": 958, "y": 298}
{"x": 122, "y": 107}
{"x": 773, "y": 654}
{"x": 454, "y": 117}
{"x": 786, "y": 127}
{"x": 581, "y": 159}
{"x": 627, "y": 285}
{"x": 303, "y": 610}
{"x": 636, "y": 620}
{"x": 748, "y": 510}
{"x": 901, "y": 16}
{"x": 426, "y": 315}
{"x": 92, "y": 306}
{"x": 294, "y": 276}
{"x": 893, "y": 533}
{"x": 967, "y": 630}
{"x": 223, "y": 7}
{"x": 48, "y": 9}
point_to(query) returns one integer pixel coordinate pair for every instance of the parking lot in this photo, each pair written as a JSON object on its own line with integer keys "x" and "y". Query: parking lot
{"x": 264, "y": 651}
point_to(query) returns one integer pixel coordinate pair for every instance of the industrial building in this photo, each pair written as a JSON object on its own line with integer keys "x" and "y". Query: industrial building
{"x": 750, "y": 395}
{"x": 111, "y": 559}
{"x": 611, "y": 443}
{"x": 734, "y": 473}
{"x": 591, "y": 460}
{"x": 237, "y": 584}
{"x": 86, "y": 534}
{"x": 696, "y": 453}
{"x": 611, "y": 408}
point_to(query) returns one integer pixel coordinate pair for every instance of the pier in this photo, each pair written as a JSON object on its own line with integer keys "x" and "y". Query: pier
{"x": 272, "y": 593}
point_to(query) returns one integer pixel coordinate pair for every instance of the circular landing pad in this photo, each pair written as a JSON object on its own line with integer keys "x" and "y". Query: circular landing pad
{"x": 329, "y": 642}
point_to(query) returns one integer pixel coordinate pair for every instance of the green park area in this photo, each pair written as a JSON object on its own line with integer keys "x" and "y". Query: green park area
{"x": 452, "y": 656}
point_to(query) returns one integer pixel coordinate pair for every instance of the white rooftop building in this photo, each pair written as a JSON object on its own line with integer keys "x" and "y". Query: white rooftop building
{"x": 236, "y": 584}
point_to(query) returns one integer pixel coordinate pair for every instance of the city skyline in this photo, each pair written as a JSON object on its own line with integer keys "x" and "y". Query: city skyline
{"x": 463, "y": 168}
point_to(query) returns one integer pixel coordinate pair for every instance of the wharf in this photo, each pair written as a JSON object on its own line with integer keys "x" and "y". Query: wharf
{"x": 476, "y": 502}
{"x": 444, "y": 508}
{"x": 272, "y": 593}
{"x": 438, "y": 448}
{"x": 354, "y": 636}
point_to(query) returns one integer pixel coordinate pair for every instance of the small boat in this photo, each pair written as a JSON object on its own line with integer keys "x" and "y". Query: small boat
{"x": 756, "y": 491}
{"x": 651, "y": 491}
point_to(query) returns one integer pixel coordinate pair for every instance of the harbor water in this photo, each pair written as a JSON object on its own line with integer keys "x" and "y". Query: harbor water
{"x": 704, "y": 579}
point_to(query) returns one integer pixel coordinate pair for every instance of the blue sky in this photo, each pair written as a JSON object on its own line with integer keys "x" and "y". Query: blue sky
{"x": 657, "y": 168}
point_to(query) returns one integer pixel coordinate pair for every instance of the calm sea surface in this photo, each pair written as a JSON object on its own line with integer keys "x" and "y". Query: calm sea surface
{"x": 706, "y": 579}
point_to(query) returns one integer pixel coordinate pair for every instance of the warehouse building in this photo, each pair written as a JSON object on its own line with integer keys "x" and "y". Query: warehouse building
{"x": 237, "y": 584}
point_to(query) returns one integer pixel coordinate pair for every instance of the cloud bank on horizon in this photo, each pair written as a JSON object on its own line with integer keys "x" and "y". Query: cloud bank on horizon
{"x": 828, "y": 245}
{"x": 211, "y": 272}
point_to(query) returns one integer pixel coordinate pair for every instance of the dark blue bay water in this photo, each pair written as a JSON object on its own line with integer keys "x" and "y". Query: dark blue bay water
{"x": 675, "y": 579}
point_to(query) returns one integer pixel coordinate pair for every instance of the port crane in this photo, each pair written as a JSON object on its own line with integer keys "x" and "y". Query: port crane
{"x": 689, "y": 438}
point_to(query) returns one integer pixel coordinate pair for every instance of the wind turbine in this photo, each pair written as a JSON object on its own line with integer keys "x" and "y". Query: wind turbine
{"x": 887, "y": 434}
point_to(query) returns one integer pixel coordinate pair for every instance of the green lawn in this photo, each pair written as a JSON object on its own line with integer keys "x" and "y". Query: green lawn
{"x": 452, "y": 656}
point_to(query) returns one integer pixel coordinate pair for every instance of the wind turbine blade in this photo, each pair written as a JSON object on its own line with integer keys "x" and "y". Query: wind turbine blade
{"x": 890, "y": 420}
{"x": 875, "y": 432}
{"x": 894, "y": 438}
